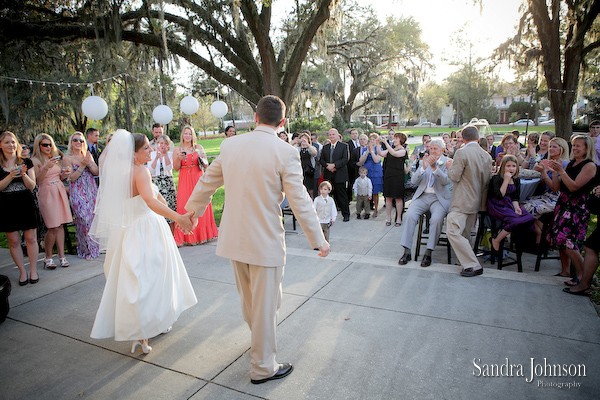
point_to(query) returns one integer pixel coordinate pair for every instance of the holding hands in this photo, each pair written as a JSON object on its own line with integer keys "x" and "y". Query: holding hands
{"x": 186, "y": 223}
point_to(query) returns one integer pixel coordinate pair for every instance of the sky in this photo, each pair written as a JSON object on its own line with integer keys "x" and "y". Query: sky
{"x": 486, "y": 27}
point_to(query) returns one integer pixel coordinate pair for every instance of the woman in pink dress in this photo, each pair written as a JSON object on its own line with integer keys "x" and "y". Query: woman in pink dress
{"x": 190, "y": 159}
{"x": 52, "y": 197}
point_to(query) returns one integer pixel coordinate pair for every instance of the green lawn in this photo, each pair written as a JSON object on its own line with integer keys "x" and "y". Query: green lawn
{"x": 498, "y": 130}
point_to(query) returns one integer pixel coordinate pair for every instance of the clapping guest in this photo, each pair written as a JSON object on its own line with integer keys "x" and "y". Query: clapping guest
{"x": 52, "y": 197}
{"x": 161, "y": 169}
{"x": 568, "y": 228}
{"x": 503, "y": 202}
{"x": 546, "y": 202}
{"x": 393, "y": 178}
{"x": 308, "y": 154}
{"x": 508, "y": 145}
{"x": 531, "y": 152}
{"x": 17, "y": 180}
{"x": 83, "y": 192}
{"x": 433, "y": 195}
{"x": 190, "y": 159}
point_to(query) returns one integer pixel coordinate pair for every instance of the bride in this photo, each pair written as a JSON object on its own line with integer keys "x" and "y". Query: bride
{"x": 147, "y": 286}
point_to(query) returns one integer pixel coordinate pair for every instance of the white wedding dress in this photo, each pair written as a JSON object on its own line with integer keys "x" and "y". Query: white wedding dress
{"x": 147, "y": 285}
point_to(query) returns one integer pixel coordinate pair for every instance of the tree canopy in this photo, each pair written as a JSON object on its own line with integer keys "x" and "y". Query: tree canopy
{"x": 230, "y": 40}
{"x": 561, "y": 34}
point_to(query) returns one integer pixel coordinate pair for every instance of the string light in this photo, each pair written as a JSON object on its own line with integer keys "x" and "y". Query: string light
{"x": 69, "y": 84}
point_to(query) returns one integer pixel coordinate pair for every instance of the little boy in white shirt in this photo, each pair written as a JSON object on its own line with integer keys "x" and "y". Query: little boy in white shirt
{"x": 325, "y": 206}
{"x": 363, "y": 191}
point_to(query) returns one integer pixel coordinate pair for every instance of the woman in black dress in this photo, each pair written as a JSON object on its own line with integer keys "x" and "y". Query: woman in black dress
{"x": 307, "y": 156}
{"x": 17, "y": 181}
{"x": 393, "y": 176}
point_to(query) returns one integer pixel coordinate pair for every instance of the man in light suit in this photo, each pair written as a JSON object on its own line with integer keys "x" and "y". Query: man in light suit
{"x": 470, "y": 172}
{"x": 334, "y": 159}
{"x": 432, "y": 194}
{"x": 258, "y": 169}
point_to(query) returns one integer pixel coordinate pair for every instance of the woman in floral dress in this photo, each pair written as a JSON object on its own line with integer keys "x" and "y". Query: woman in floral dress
{"x": 569, "y": 226}
{"x": 161, "y": 169}
{"x": 83, "y": 192}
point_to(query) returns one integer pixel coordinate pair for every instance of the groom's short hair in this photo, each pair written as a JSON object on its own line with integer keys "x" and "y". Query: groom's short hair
{"x": 270, "y": 110}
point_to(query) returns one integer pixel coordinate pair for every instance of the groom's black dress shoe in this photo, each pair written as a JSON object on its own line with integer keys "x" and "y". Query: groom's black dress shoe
{"x": 426, "y": 261}
{"x": 283, "y": 371}
{"x": 405, "y": 258}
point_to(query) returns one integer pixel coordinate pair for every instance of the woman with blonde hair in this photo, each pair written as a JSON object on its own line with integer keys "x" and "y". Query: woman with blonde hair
{"x": 568, "y": 228}
{"x": 52, "y": 197}
{"x": 558, "y": 149}
{"x": 17, "y": 181}
{"x": 83, "y": 192}
{"x": 190, "y": 160}
{"x": 370, "y": 158}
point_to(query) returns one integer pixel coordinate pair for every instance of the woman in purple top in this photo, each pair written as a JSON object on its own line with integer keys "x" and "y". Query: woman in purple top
{"x": 82, "y": 193}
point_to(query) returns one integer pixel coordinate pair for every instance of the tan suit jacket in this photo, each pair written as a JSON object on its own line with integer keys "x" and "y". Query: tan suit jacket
{"x": 258, "y": 169}
{"x": 470, "y": 171}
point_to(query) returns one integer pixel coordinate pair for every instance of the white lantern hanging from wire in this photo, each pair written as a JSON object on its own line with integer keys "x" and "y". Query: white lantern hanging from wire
{"x": 94, "y": 107}
{"x": 218, "y": 109}
{"x": 189, "y": 105}
{"x": 162, "y": 114}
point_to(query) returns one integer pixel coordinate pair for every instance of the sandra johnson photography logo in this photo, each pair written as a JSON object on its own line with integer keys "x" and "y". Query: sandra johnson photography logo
{"x": 530, "y": 371}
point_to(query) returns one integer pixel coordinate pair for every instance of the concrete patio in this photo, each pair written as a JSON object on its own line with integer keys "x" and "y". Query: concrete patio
{"x": 356, "y": 325}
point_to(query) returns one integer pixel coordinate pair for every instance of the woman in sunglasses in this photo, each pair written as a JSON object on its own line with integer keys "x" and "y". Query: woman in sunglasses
{"x": 52, "y": 197}
{"x": 83, "y": 193}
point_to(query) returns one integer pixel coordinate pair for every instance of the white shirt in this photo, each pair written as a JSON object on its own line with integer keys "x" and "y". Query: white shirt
{"x": 167, "y": 169}
{"x": 326, "y": 210}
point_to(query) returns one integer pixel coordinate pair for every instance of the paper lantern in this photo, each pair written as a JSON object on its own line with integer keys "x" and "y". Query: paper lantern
{"x": 162, "y": 114}
{"x": 94, "y": 107}
{"x": 218, "y": 109}
{"x": 189, "y": 105}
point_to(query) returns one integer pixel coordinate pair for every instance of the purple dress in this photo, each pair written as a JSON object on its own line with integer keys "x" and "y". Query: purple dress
{"x": 502, "y": 208}
{"x": 83, "y": 200}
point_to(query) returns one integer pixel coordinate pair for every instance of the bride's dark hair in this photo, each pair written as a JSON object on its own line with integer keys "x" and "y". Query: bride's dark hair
{"x": 139, "y": 140}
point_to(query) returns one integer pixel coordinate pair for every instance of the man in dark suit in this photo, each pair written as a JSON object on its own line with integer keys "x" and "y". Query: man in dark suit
{"x": 352, "y": 167}
{"x": 92, "y": 141}
{"x": 334, "y": 159}
{"x": 491, "y": 146}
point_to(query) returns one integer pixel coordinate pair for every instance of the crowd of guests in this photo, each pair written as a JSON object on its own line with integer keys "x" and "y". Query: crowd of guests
{"x": 446, "y": 180}
{"x": 451, "y": 179}
{"x": 45, "y": 189}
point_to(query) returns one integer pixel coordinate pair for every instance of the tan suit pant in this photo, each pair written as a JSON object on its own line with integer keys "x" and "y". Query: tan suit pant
{"x": 458, "y": 228}
{"x": 260, "y": 293}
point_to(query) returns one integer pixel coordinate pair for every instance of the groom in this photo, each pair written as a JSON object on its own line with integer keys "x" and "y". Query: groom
{"x": 258, "y": 169}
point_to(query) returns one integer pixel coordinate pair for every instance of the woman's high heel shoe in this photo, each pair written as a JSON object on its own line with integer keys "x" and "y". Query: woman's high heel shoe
{"x": 143, "y": 346}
